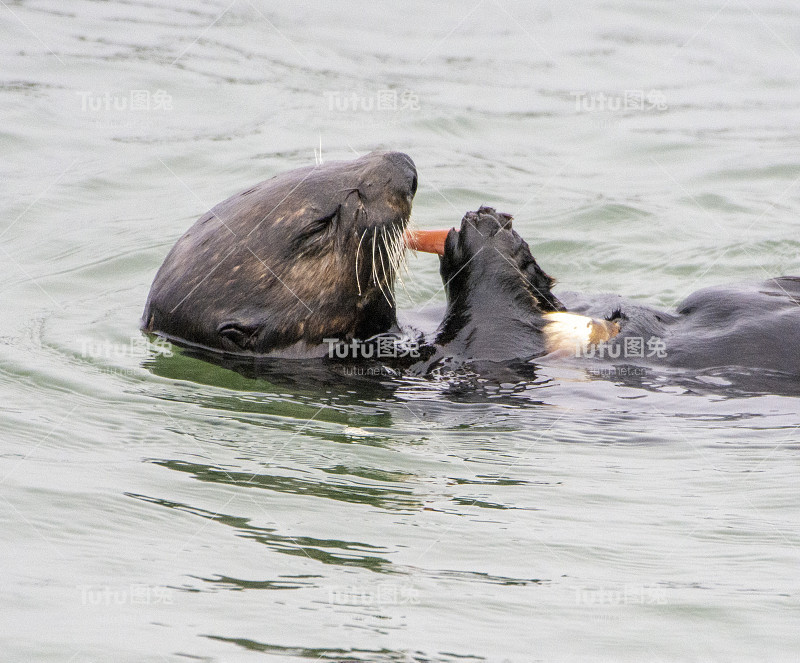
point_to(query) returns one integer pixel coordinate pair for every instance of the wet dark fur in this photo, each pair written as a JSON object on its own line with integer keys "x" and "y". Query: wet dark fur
{"x": 496, "y": 292}
{"x": 753, "y": 326}
{"x": 273, "y": 268}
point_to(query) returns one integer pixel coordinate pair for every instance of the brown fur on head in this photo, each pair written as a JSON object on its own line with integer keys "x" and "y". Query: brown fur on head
{"x": 307, "y": 255}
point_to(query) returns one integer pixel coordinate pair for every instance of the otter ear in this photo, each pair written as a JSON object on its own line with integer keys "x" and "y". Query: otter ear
{"x": 236, "y": 336}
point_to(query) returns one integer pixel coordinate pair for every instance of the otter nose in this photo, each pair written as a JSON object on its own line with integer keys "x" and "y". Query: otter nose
{"x": 406, "y": 168}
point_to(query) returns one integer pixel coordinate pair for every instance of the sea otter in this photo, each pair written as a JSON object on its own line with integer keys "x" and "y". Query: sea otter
{"x": 500, "y": 307}
{"x": 308, "y": 258}
{"x": 278, "y": 268}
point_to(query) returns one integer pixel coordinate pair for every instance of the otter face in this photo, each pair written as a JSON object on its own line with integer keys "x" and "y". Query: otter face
{"x": 356, "y": 217}
{"x": 307, "y": 255}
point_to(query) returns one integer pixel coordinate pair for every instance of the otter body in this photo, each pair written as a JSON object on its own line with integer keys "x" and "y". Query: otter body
{"x": 751, "y": 325}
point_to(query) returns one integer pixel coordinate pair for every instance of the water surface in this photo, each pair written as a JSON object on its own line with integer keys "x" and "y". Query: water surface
{"x": 161, "y": 508}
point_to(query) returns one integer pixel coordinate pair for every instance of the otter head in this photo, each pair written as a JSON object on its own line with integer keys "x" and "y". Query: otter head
{"x": 308, "y": 255}
{"x": 496, "y": 292}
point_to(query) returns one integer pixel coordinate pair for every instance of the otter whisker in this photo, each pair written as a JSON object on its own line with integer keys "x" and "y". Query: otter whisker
{"x": 388, "y": 260}
{"x": 358, "y": 253}
{"x": 396, "y": 249}
{"x": 382, "y": 281}
{"x": 399, "y": 258}
{"x": 402, "y": 254}
{"x": 403, "y": 286}
{"x": 374, "y": 264}
{"x": 401, "y": 248}
{"x": 388, "y": 275}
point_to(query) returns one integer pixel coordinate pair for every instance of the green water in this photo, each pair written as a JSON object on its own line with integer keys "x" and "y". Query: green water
{"x": 159, "y": 508}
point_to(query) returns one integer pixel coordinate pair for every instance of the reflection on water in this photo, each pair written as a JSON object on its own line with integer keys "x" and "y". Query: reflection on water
{"x": 384, "y": 498}
{"x": 322, "y": 654}
{"x": 320, "y": 550}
